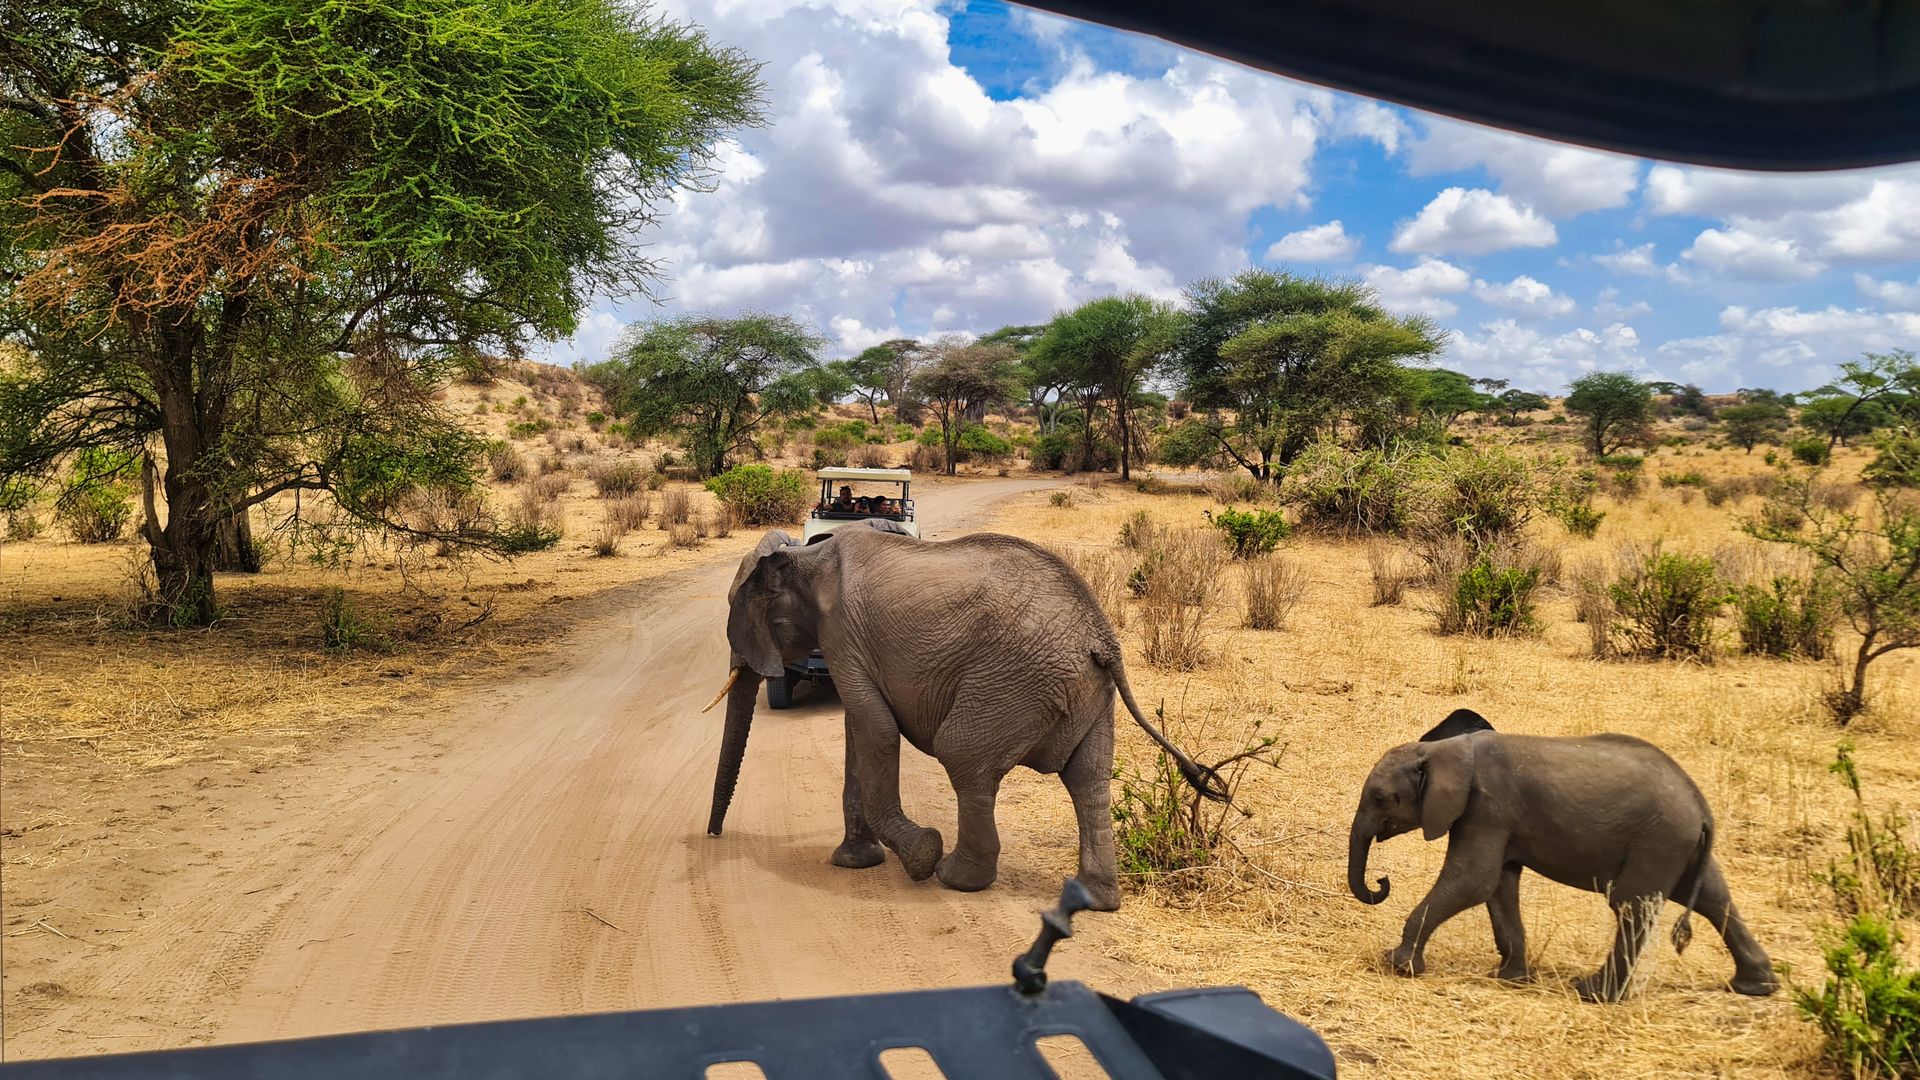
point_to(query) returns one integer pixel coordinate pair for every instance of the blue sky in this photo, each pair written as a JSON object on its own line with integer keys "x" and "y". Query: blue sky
{"x": 945, "y": 167}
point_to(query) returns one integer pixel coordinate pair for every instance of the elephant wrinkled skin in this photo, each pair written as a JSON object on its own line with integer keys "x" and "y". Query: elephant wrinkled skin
{"x": 1608, "y": 813}
{"x": 985, "y": 652}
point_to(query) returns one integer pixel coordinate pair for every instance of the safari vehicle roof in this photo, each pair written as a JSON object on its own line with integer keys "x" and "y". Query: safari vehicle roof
{"x": 866, "y": 474}
{"x": 1751, "y": 84}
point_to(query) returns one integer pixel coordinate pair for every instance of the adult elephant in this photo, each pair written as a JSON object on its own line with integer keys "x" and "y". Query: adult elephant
{"x": 985, "y": 652}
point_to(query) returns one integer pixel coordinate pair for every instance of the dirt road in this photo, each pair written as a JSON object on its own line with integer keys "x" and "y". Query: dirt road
{"x": 540, "y": 850}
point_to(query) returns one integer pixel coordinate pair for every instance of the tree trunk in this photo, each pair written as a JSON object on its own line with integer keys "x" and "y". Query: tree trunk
{"x": 235, "y": 553}
{"x": 185, "y": 551}
{"x": 1126, "y": 440}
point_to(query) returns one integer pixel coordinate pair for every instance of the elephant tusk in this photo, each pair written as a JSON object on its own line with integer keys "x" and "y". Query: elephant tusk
{"x": 731, "y": 679}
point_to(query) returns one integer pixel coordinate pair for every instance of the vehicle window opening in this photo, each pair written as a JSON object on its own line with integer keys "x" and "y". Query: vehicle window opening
{"x": 1069, "y": 1057}
{"x": 910, "y": 1063}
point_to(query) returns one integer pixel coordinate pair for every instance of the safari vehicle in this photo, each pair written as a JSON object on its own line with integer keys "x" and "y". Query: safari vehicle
{"x": 846, "y": 496}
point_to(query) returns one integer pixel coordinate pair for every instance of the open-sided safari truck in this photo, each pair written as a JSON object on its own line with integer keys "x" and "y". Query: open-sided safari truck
{"x": 846, "y": 496}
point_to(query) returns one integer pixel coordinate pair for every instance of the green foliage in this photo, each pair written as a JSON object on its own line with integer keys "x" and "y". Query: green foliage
{"x": 1580, "y": 518}
{"x": 1751, "y": 423}
{"x": 96, "y": 501}
{"x": 1896, "y": 462}
{"x": 1616, "y": 407}
{"x": 1791, "y": 617}
{"x": 962, "y": 378}
{"x": 1839, "y": 417}
{"x": 1482, "y": 495}
{"x": 1350, "y": 491}
{"x": 1664, "y": 604}
{"x": 1691, "y": 478}
{"x": 1106, "y": 350}
{"x": 344, "y": 629}
{"x": 1442, "y": 395}
{"x": 1810, "y": 451}
{"x": 527, "y": 429}
{"x": 1622, "y": 461}
{"x": 1188, "y": 444}
{"x": 710, "y": 383}
{"x": 1868, "y": 1009}
{"x": 976, "y": 442}
{"x": 1490, "y": 597}
{"x": 760, "y": 495}
{"x": 1515, "y": 402}
{"x": 1251, "y": 533}
{"x": 1289, "y": 358}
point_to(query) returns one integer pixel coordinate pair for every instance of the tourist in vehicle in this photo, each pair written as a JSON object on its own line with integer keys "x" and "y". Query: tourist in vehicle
{"x": 844, "y": 504}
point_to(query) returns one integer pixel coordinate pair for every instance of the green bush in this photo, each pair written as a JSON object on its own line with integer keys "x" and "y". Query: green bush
{"x": 1480, "y": 495}
{"x": 1252, "y": 532}
{"x": 976, "y": 441}
{"x": 1868, "y": 1010}
{"x": 1664, "y": 604}
{"x": 1810, "y": 451}
{"x": 1161, "y": 826}
{"x": 343, "y": 628}
{"x": 761, "y": 495}
{"x": 527, "y": 429}
{"x": 1354, "y": 491}
{"x": 1791, "y": 617}
{"x": 1691, "y": 478}
{"x": 16, "y": 508}
{"x": 1066, "y": 450}
{"x": 1896, "y": 462}
{"x": 96, "y": 501}
{"x": 596, "y": 420}
{"x": 1581, "y": 519}
{"x": 1490, "y": 596}
{"x": 1623, "y": 461}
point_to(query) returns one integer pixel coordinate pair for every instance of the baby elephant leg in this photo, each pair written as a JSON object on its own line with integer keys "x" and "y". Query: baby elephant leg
{"x": 1470, "y": 876}
{"x": 1633, "y": 920}
{"x": 1509, "y": 935}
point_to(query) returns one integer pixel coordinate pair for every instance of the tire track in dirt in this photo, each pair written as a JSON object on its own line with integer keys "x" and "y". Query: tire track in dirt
{"x": 407, "y": 888}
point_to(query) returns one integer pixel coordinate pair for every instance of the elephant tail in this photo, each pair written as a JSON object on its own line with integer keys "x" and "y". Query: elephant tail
{"x": 1683, "y": 927}
{"x": 1204, "y": 780}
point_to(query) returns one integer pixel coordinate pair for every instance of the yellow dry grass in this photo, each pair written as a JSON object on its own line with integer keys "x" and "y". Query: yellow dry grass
{"x": 1346, "y": 680}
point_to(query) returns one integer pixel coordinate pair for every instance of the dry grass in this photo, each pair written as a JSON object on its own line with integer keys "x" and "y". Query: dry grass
{"x": 1389, "y": 571}
{"x": 1179, "y": 586}
{"x": 1272, "y": 585}
{"x": 676, "y": 509}
{"x": 629, "y": 513}
{"x": 1350, "y": 680}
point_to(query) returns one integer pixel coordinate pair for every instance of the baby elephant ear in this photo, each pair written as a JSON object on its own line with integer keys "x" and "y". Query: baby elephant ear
{"x": 1458, "y": 722}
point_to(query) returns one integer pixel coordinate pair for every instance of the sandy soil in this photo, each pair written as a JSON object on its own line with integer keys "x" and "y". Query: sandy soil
{"x": 534, "y": 847}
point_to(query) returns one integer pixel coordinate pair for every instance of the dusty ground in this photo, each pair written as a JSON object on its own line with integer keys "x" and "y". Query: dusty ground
{"x": 238, "y": 834}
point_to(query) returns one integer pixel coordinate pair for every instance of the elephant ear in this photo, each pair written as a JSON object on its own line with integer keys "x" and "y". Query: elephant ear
{"x": 1446, "y": 781}
{"x": 1458, "y": 722}
{"x": 750, "y": 613}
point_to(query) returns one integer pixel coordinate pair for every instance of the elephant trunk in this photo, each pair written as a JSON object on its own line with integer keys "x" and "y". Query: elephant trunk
{"x": 1358, "y": 845}
{"x": 742, "y": 693}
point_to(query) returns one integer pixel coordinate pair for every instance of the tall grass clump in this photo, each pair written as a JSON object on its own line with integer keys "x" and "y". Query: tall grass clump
{"x": 343, "y": 628}
{"x": 1487, "y": 591}
{"x": 1482, "y": 496}
{"x": 505, "y": 463}
{"x": 1390, "y": 573}
{"x": 1273, "y": 586}
{"x": 676, "y": 508}
{"x": 629, "y": 513}
{"x": 1664, "y": 604}
{"x": 1105, "y": 572}
{"x": 616, "y": 477}
{"x": 1868, "y": 1008}
{"x": 542, "y": 522}
{"x": 1179, "y": 587}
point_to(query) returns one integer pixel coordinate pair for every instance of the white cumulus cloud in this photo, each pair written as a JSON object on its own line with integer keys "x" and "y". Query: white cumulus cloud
{"x": 1554, "y": 178}
{"x": 1473, "y": 222}
{"x": 1737, "y": 252}
{"x": 1421, "y": 289}
{"x": 1322, "y": 243}
{"x": 1524, "y": 294}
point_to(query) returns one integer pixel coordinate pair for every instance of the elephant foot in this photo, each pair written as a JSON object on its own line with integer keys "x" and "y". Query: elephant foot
{"x": 1514, "y": 973}
{"x": 1403, "y": 961}
{"x": 921, "y": 854}
{"x": 966, "y": 875}
{"x": 1106, "y": 894}
{"x": 1755, "y": 985}
{"x": 1600, "y": 989}
{"x": 858, "y": 854}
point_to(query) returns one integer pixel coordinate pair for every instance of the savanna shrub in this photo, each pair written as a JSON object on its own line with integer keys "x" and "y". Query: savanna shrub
{"x": 1810, "y": 451}
{"x": 977, "y": 443}
{"x": 1581, "y": 519}
{"x": 1491, "y": 594}
{"x": 1390, "y": 573}
{"x": 1351, "y": 491}
{"x": 1481, "y": 495}
{"x": 1792, "y": 616}
{"x": 1231, "y": 488}
{"x": 1273, "y": 587}
{"x": 760, "y": 495}
{"x": 1252, "y": 532}
{"x": 1664, "y": 604}
{"x": 96, "y": 502}
{"x": 1896, "y": 462}
{"x": 676, "y": 508}
{"x": 1629, "y": 462}
{"x": 505, "y": 463}
{"x": 1690, "y": 478}
{"x": 1160, "y": 825}
{"x": 929, "y": 459}
{"x": 1179, "y": 582}
{"x": 343, "y": 628}
{"x": 1141, "y": 532}
{"x": 617, "y": 477}
{"x": 870, "y": 456}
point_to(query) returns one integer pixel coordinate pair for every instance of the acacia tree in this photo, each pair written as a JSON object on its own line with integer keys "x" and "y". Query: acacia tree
{"x": 1515, "y": 402}
{"x": 1108, "y": 348}
{"x": 1872, "y": 559}
{"x": 1877, "y": 384}
{"x": 1288, "y": 357}
{"x": 1750, "y": 422}
{"x": 1034, "y": 380}
{"x": 711, "y": 383}
{"x": 245, "y": 240}
{"x": 1616, "y": 406}
{"x": 882, "y": 372}
{"x": 960, "y": 377}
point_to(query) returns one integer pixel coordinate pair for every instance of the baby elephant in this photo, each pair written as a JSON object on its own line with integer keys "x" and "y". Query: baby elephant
{"x": 1607, "y": 813}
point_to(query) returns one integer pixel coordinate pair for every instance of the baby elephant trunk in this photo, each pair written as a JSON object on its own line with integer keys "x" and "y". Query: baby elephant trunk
{"x": 1358, "y": 844}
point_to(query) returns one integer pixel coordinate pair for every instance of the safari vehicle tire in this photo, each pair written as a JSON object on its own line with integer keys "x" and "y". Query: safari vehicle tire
{"x": 780, "y": 692}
